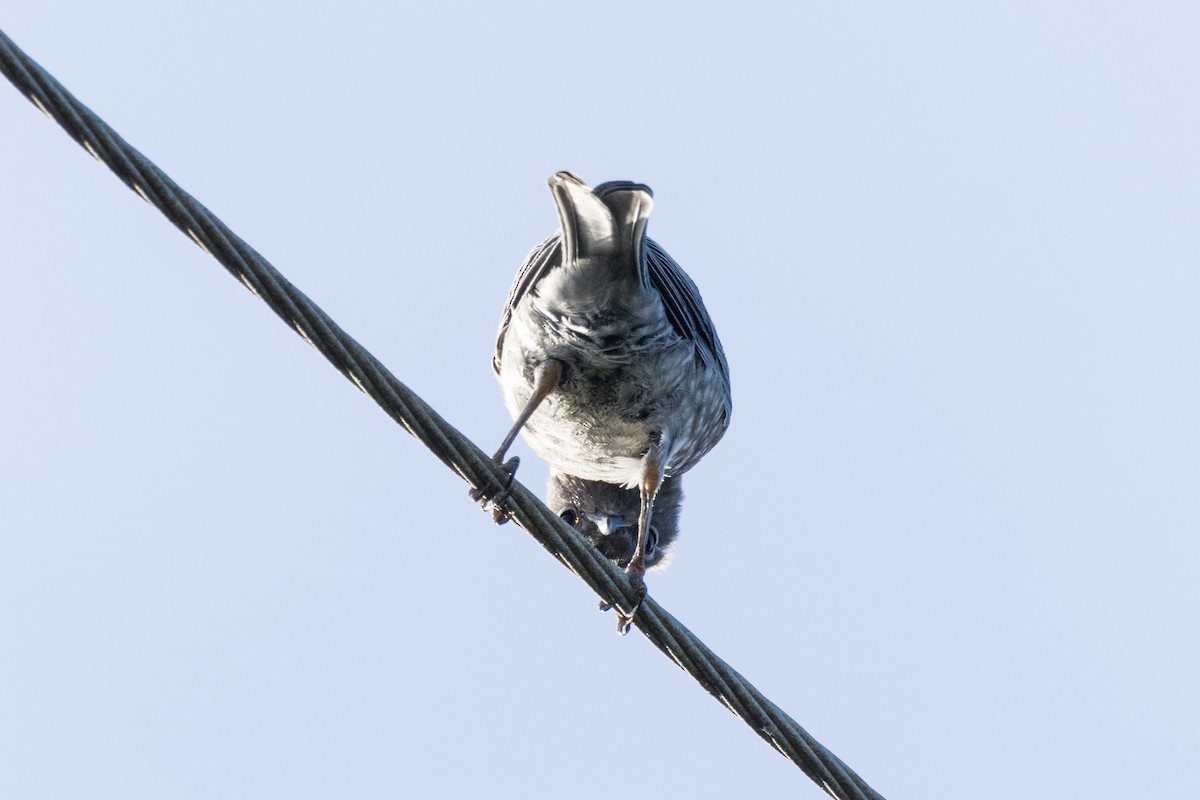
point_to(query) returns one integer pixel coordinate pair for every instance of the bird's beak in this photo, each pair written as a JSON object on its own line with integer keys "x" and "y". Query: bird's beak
{"x": 608, "y": 524}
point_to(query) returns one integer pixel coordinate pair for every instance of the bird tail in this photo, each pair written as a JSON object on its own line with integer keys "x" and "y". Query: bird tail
{"x": 607, "y": 223}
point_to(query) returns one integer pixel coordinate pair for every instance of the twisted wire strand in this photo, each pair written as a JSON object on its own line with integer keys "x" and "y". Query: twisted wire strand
{"x": 419, "y": 419}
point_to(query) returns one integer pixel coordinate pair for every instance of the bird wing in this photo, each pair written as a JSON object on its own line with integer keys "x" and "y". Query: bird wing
{"x": 541, "y": 259}
{"x": 687, "y": 314}
{"x": 681, "y": 300}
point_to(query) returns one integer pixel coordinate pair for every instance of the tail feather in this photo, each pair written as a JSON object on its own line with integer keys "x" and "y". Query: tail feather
{"x": 588, "y": 228}
{"x": 630, "y": 205}
{"x": 606, "y": 223}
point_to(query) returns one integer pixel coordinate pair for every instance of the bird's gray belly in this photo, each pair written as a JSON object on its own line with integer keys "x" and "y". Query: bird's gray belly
{"x": 608, "y": 412}
{"x": 598, "y": 424}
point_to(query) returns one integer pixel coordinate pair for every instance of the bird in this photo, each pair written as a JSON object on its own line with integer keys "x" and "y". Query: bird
{"x": 611, "y": 368}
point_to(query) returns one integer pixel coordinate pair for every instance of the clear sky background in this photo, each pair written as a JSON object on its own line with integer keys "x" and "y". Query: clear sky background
{"x": 952, "y": 252}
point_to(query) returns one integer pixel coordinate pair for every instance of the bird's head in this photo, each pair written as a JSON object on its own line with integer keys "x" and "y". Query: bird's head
{"x": 607, "y": 516}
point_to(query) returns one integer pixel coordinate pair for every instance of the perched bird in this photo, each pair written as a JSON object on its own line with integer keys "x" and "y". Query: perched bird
{"x": 610, "y": 364}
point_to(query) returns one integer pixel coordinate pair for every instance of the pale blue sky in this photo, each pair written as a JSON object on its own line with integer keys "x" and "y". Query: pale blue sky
{"x": 951, "y": 250}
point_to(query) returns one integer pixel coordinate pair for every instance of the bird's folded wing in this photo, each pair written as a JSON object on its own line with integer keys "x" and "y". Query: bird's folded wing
{"x": 687, "y": 314}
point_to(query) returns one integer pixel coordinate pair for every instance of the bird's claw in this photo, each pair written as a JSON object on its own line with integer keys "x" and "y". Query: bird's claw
{"x": 624, "y": 620}
{"x": 481, "y": 496}
{"x": 624, "y": 623}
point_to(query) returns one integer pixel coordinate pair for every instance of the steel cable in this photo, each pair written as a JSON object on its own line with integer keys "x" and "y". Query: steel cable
{"x": 411, "y": 412}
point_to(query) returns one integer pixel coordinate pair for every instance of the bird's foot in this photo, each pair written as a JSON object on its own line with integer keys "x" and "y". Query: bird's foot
{"x": 624, "y": 620}
{"x": 485, "y": 498}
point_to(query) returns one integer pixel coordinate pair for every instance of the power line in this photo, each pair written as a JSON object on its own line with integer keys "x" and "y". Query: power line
{"x": 419, "y": 419}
